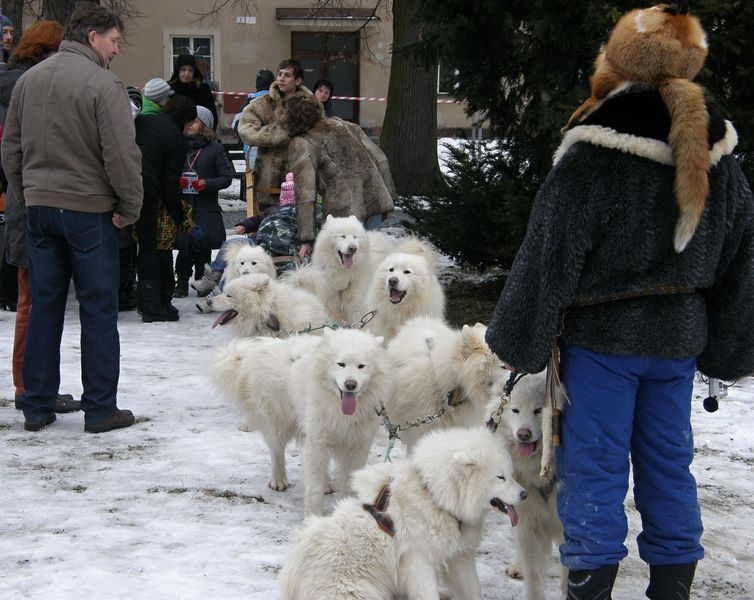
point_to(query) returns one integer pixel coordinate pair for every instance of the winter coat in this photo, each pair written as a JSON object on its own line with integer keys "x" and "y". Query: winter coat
{"x": 16, "y": 252}
{"x": 149, "y": 107}
{"x": 83, "y": 158}
{"x": 163, "y": 150}
{"x": 200, "y": 93}
{"x": 601, "y": 231}
{"x": 261, "y": 125}
{"x": 210, "y": 162}
{"x": 338, "y": 160}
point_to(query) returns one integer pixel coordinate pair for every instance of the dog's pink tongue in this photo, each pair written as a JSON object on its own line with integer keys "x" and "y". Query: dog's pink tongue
{"x": 347, "y": 403}
{"x": 348, "y": 260}
{"x": 512, "y": 514}
{"x": 224, "y": 317}
{"x": 526, "y": 448}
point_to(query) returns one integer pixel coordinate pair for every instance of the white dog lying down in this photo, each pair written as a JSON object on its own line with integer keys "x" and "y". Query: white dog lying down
{"x": 521, "y": 429}
{"x": 413, "y": 523}
{"x": 257, "y": 305}
{"x": 432, "y": 362}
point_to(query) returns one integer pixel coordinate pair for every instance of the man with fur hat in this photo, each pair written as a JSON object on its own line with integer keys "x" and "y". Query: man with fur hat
{"x": 261, "y": 126}
{"x": 639, "y": 260}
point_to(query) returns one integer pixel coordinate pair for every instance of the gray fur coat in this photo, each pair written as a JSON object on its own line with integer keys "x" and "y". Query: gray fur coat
{"x": 602, "y": 224}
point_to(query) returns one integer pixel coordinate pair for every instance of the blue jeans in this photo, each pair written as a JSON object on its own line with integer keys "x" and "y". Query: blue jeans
{"x": 623, "y": 406}
{"x": 65, "y": 244}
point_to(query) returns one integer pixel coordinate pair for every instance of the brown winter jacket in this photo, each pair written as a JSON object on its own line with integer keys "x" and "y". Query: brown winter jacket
{"x": 69, "y": 139}
{"x": 338, "y": 160}
{"x": 260, "y": 126}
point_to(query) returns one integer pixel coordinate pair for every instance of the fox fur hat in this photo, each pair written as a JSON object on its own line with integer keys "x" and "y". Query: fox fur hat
{"x": 663, "y": 47}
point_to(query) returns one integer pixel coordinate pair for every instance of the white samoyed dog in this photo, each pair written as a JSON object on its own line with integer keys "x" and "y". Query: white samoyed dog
{"x": 403, "y": 286}
{"x": 340, "y": 269}
{"x": 335, "y": 389}
{"x": 244, "y": 259}
{"x": 436, "y": 367}
{"x": 521, "y": 428}
{"x": 259, "y": 305}
{"x": 253, "y": 373}
{"x": 413, "y": 523}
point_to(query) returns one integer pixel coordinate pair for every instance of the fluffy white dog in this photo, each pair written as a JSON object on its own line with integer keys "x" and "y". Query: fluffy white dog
{"x": 521, "y": 428}
{"x": 244, "y": 259}
{"x": 403, "y": 286}
{"x": 253, "y": 373}
{"x": 435, "y": 366}
{"x": 335, "y": 389}
{"x": 413, "y": 523}
{"x": 258, "y": 305}
{"x": 340, "y": 268}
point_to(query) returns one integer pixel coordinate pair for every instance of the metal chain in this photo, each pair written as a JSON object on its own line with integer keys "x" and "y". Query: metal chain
{"x": 361, "y": 323}
{"x": 497, "y": 414}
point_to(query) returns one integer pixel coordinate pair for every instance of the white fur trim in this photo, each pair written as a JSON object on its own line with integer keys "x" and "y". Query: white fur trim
{"x": 654, "y": 150}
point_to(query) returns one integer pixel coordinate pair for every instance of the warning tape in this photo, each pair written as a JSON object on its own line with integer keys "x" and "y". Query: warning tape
{"x": 358, "y": 98}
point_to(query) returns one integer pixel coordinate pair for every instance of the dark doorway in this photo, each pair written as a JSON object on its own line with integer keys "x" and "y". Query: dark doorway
{"x": 333, "y": 56}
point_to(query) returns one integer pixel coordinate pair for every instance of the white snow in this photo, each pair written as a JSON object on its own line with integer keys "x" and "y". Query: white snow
{"x": 177, "y": 506}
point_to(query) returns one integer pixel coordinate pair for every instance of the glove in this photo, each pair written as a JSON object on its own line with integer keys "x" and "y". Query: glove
{"x": 183, "y": 183}
{"x": 197, "y": 232}
{"x": 199, "y": 185}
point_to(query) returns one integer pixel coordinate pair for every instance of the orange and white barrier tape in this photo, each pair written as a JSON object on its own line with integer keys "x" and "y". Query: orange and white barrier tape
{"x": 357, "y": 98}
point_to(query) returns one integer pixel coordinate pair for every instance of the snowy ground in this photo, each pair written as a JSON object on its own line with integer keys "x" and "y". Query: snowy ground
{"x": 177, "y": 507}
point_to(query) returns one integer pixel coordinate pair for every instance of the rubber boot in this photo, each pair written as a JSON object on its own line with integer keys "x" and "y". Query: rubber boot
{"x": 670, "y": 582}
{"x": 150, "y": 307}
{"x": 596, "y": 584}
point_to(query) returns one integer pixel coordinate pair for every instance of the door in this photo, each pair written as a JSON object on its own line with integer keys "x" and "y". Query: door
{"x": 333, "y": 56}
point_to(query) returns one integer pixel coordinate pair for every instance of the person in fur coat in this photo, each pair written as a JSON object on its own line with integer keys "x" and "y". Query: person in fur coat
{"x": 261, "y": 125}
{"x": 336, "y": 159}
{"x": 634, "y": 311}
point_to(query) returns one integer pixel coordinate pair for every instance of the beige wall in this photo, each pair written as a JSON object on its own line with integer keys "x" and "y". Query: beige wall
{"x": 241, "y": 49}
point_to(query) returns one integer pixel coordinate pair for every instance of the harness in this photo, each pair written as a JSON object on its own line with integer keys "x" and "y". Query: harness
{"x": 377, "y": 510}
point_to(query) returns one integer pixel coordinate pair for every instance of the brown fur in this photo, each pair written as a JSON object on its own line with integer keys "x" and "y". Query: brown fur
{"x": 663, "y": 48}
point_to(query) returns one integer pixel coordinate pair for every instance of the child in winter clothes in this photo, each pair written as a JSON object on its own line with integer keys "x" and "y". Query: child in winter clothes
{"x": 207, "y": 171}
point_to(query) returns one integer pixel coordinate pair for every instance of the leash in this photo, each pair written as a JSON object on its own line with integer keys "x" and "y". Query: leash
{"x": 497, "y": 414}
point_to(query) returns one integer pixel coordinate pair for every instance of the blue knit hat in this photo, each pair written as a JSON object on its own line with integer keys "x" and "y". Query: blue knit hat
{"x": 6, "y": 22}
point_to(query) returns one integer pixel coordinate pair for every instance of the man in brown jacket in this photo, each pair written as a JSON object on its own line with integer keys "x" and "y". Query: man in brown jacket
{"x": 71, "y": 158}
{"x": 260, "y": 126}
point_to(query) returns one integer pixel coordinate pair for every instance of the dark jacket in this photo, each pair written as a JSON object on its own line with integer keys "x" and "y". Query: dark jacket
{"x": 163, "y": 150}
{"x": 213, "y": 166}
{"x": 200, "y": 93}
{"x": 602, "y": 225}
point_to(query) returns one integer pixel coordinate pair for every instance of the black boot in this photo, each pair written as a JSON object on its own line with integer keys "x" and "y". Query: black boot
{"x": 592, "y": 585}
{"x": 670, "y": 582}
{"x": 150, "y": 303}
{"x": 181, "y": 288}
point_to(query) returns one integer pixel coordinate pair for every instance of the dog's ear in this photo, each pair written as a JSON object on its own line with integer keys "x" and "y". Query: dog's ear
{"x": 466, "y": 460}
{"x": 472, "y": 341}
{"x": 272, "y": 322}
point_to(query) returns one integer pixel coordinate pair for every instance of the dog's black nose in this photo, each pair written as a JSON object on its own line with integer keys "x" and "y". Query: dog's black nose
{"x": 523, "y": 435}
{"x": 392, "y": 281}
{"x": 350, "y": 385}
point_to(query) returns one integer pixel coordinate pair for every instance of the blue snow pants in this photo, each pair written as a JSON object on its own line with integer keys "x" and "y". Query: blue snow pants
{"x": 621, "y": 406}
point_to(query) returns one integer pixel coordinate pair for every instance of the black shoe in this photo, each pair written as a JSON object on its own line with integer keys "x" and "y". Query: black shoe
{"x": 65, "y": 403}
{"x": 37, "y": 425}
{"x": 159, "y": 315}
{"x": 596, "y": 584}
{"x": 181, "y": 289}
{"x": 670, "y": 581}
{"x": 118, "y": 420}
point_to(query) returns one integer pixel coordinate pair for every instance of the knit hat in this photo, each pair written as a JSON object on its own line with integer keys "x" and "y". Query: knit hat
{"x": 286, "y": 190}
{"x": 157, "y": 90}
{"x": 205, "y": 116}
{"x": 5, "y": 21}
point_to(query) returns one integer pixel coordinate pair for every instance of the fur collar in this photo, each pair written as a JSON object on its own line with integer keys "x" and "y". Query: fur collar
{"x": 635, "y": 120}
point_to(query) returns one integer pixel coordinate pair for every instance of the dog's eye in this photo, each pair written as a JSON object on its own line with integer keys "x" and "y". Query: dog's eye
{"x": 537, "y": 411}
{"x": 361, "y": 366}
{"x": 341, "y": 365}
{"x": 390, "y": 270}
{"x": 515, "y": 411}
{"x": 254, "y": 263}
{"x": 407, "y": 272}
{"x": 501, "y": 477}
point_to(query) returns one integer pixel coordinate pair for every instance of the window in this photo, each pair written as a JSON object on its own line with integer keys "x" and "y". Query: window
{"x": 202, "y": 47}
{"x": 446, "y": 77}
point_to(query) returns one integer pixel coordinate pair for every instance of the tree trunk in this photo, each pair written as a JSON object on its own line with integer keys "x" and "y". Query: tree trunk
{"x": 409, "y": 132}
{"x": 59, "y": 10}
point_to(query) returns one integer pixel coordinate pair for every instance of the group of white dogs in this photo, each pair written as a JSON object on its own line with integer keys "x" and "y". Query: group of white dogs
{"x": 356, "y": 339}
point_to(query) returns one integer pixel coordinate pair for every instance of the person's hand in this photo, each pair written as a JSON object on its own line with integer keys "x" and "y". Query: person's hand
{"x": 197, "y": 232}
{"x": 199, "y": 185}
{"x": 305, "y": 250}
{"x": 239, "y": 229}
{"x": 183, "y": 183}
{"x": 116, "y": 220}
